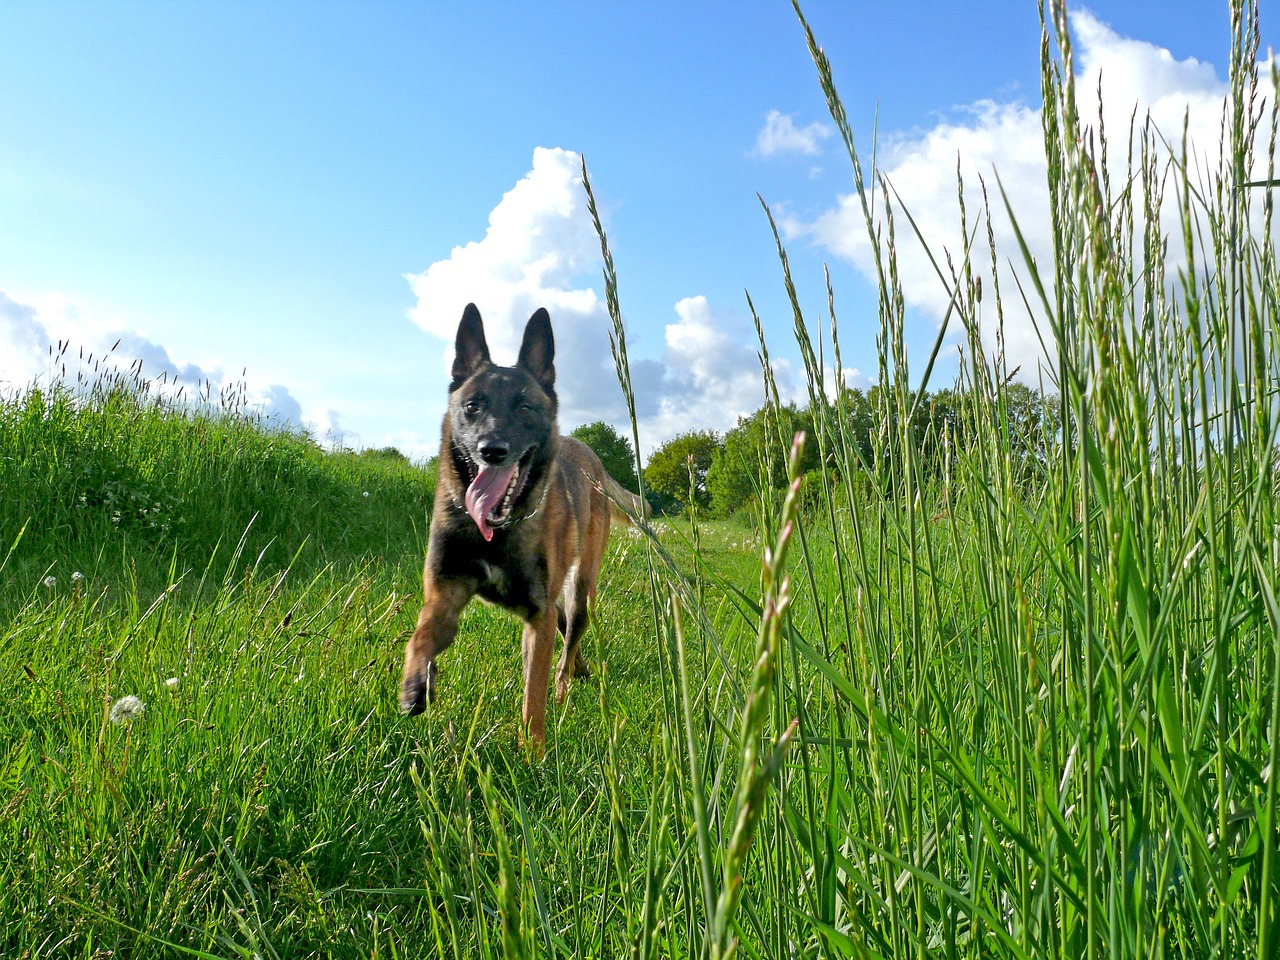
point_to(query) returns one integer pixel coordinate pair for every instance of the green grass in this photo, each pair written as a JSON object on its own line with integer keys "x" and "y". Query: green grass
{"x": 121, "y": 472}
{"x": 995, "y": 708}
{"x": 275, "y": 800}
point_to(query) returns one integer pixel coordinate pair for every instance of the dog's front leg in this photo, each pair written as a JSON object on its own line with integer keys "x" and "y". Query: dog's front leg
{"x": 437, "y": 626}
{"x": 538, "y": 645}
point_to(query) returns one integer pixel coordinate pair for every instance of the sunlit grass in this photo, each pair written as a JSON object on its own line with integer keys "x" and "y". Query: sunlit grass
{"x": 117, "y": 470}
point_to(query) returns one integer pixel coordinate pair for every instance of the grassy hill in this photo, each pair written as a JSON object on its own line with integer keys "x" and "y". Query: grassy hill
{"x": 121, "y": 476}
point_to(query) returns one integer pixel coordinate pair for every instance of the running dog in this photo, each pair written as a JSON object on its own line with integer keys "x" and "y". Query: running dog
{"x": 521, "y": 518}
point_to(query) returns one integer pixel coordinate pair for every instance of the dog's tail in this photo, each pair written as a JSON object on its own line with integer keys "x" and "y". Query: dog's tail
{"x": 624, "y": 506}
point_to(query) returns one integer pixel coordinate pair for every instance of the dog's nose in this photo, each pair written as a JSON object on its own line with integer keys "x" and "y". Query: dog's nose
{"x": 493, "y": 453}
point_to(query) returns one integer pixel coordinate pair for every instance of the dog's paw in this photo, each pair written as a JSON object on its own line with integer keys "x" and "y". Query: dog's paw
{"x": 413, "y": 696}
{"x": 417, "y": 688}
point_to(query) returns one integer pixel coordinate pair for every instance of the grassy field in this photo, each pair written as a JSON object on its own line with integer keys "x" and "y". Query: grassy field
{"x": 1000, "y": 708}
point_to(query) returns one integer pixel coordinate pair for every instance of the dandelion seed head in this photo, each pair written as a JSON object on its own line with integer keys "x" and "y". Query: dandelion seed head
{"x": 126, "y": 708}
{"x": 50, "y": 582}
{"x": 77, "y": 576}
{"x": 172, "y": 684}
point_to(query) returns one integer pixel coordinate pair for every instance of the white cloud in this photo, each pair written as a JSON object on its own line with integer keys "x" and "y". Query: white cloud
{"x": 25, "y": 343}
{"x": 708, "y": 378}
{"x": 701, "y": 354}
{"x": 1003, "y": 137}
{"x": 52, "y": 338}
{"x": 541, "y": 250}
{"x": 325, "y": 425}
{"x": 851, "y": 378}
{"x": 989, "y": 138}
{"x": 539, "y": 246}
{"x": 781, "y": 135}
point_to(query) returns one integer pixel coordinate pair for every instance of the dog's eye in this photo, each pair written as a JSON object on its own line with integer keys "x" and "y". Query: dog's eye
{"x": 473, "y": 406}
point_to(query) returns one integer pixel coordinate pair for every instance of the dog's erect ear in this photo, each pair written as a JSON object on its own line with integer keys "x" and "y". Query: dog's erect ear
{"x": 471, "y": 352}
{"x": 538, "y": 351}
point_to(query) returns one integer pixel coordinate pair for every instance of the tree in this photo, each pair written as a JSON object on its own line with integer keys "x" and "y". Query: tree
{"x": 614, "y": 451}
{"x": 859, "y": 426}
{"x": 754, "y": 456}
{"x": 1034, "y": 428}
{"x": 677, "y": 470}
{"x": 937, "y": 424}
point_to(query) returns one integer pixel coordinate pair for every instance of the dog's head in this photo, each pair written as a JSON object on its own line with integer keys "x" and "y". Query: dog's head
{"x": 502, "y": 420}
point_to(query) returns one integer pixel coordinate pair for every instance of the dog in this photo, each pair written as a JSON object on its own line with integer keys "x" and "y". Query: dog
{"x": 521, "y": 517}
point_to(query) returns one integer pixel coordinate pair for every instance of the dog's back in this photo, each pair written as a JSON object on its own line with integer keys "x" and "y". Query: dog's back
{"x": 586, "y": 476}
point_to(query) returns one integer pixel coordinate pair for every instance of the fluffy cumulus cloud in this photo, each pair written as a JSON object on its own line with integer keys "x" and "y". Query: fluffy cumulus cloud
{"x": 709, "y": 376}
{"x": 990, "y": 138}
{"x": 780, "y": 135}
{"x": 24, "y": 344}
{"x": 52, "y": 338}
{"x": 541, "y": 250}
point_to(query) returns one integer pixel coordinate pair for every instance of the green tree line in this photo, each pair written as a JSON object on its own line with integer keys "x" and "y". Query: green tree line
{"x": 722, "y": 474}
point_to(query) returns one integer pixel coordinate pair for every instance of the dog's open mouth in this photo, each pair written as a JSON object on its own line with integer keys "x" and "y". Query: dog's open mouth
{"x": 493, "y": 492}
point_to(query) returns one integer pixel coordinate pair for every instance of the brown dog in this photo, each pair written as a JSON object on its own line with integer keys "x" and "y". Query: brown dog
{"x": 521, "y": 516}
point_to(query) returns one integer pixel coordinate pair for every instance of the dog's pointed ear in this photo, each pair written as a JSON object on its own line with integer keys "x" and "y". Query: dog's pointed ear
{"x": 471, "y": 351}
{"x": 538, "y": 351}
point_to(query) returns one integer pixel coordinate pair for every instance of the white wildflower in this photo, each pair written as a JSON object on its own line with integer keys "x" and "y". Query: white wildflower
{"x": 172, "y": 684}
{"x": 77, "y": 576}
{"x": 366, "y": 493}
{"x": 126, "y": 708}
{"x": 50, "y": 582}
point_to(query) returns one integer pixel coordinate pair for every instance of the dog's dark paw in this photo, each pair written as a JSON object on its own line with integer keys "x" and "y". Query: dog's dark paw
{"x": 413, "y": 696}
{"x": 417, "y": 688}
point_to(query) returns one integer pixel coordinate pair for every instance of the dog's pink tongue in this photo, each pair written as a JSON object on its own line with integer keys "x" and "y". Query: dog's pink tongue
{"x": 485, "y": 493}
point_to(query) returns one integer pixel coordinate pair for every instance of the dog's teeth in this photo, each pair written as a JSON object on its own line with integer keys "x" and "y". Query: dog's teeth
{"x": 506, "y": 499}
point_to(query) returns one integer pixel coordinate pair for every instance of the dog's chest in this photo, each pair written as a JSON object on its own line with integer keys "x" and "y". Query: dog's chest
{"x": 516, "y": 589}
{"x": 495, "y": 585}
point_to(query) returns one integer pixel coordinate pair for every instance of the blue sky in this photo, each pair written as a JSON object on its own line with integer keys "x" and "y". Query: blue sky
{"x": 306, "y": 193}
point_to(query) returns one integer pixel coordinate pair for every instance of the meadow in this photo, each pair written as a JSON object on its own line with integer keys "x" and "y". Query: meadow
{"x": 988, "y": 706}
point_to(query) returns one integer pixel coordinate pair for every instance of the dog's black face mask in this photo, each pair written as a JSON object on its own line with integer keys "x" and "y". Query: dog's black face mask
{"x": 501, "y": 419}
